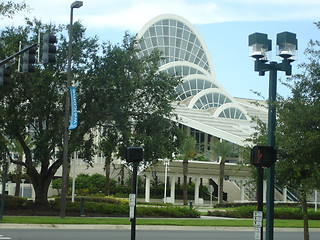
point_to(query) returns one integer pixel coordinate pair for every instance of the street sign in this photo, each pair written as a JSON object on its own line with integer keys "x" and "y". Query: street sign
{"x": 132, "y": 204}
{"x": 257, "y": 223}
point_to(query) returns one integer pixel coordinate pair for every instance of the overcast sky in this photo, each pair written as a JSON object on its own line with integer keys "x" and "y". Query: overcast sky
{"x": 223, "y": 24}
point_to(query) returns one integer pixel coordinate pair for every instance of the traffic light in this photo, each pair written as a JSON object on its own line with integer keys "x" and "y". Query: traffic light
{"x": 4, "y": 75}
{"x": 263, "y": 156}
{"x": 29, "y": 59}
{"x": 49, "y": 49}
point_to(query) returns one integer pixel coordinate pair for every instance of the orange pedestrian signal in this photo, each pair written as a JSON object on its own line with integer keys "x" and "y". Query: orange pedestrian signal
{"x": 263, "y": 156}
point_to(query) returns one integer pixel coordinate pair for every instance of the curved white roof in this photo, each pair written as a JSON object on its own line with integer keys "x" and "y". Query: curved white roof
{"x": 185, "y": 54}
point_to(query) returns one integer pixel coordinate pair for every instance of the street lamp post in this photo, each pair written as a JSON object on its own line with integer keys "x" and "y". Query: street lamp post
{"x": 260, "y": 46}
{"x": 76, "y": 4}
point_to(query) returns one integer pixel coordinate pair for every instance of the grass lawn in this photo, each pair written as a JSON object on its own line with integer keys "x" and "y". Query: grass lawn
{"x": 154, "y": 221}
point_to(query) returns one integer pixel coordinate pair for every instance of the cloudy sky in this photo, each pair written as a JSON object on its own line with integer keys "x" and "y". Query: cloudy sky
{"x": 223, "y": 24}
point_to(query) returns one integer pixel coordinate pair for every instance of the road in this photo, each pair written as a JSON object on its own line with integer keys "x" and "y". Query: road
{"x": 124, "y": 234}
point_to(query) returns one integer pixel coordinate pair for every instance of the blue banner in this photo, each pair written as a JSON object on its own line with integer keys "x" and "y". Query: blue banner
{"x": 74, "y": 109}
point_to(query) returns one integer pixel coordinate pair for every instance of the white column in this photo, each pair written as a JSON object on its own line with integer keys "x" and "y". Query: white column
{"x": 285, "y": 191}
{"x": 172, "y": 188}
{"x": 241, "y": 191}
{"x": 196, "y": 190}
{"x": 147, "y": 189}
{"x": 315, "y": 200}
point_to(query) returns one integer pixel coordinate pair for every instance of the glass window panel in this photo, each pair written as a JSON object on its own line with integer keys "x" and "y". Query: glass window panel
{"x": 178, "y": 43}
{"x": 184, "y": 44}
{"x": 172, "y": 41}
{"x": 186, "y": 35}
{"x": 142, "y": 45}
{"x": 179, "y": 33}
{"x": 232, "y": 112}
{"x": 154, "y": 41}
{"x": 192, "y": 58}
{"x": 193, "y": 83}
{"x": 186, "y": 28}
{"x": 210, "y": 97}
{"x": 173, "y": 23}
{"x": 192, "y": 38}
{"x": 237, "y": 114}
{"x": 187, "y": 56}
{"x": 160, "y": 41}
{"x": 195, "y": 50}
{"x": 189, "y": 46}
{"x": 197, "y": 42}
{"x": 148, "y": 42}
{"x": 146, "y": 35}
{"x": 172, "y": 31}
{"x": 152, "y": 31}
{"x": 165, "y": 22}
{"x": 177, "y": 53}
{"x": 200, "y": 84}
{"x": 166, "y": 31}
{"x": 166, "y": 41}
{"x": 159, "y": 30}
{"x": 185, "y": 86}
{"x": 179, "y": 24}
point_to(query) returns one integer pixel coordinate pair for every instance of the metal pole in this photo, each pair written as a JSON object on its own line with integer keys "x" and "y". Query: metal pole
{"x": 134, "y": 191}
{"x": 4, "y": 181}
{"x": 260, "y": 194}
{"x": 73, "y": 176}
{"x": 272, "y": 143}
{"x": 66, "y": 126}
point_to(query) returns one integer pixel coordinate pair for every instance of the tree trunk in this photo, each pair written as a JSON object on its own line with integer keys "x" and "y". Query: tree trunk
{"x": 185, "y": 182}
{"x": 107, "y": 164}
{"x": 41, "y": 191}
{"x": 18, "y": 179}
{"x": 221, "y": 179}
{"x": 305, "y": 215}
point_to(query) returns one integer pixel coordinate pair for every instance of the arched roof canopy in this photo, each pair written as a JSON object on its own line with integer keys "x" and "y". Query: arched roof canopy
{"x": 177, "y": 39}
{"x": 231, "y": 110}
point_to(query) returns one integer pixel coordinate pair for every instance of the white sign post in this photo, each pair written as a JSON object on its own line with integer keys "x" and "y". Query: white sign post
{"x": 257, "y": 223}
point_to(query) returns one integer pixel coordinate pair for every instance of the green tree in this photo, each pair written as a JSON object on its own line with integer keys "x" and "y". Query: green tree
{"x": 33, "y": 103}
{"x": 9, "y": 8}
{"x": 137, "y": 107}
{"x": 297, "y": 133}
{"x": 120, "y": 95}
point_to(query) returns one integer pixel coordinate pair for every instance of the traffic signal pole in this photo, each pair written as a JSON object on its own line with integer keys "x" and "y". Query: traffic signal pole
{"x": 271, "y": 143}
{"x": 3, "y": 62}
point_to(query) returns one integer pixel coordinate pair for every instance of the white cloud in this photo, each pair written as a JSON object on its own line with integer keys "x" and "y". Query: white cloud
{"x": 133, "y": 14}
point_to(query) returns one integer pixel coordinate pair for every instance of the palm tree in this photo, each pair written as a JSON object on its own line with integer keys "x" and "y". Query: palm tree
{"x": 223, "y": 149}
{"x": 188, "y": 151}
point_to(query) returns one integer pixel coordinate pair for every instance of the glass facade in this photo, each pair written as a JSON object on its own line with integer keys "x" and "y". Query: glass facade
{"x": 176, "y": 41}
{"x": 185, "y": 55}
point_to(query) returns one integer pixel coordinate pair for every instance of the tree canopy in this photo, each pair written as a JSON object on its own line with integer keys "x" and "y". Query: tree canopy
{"x": 122, "y": 100}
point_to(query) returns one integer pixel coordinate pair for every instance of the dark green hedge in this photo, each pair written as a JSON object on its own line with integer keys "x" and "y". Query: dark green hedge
{"x": 246, "y": 211}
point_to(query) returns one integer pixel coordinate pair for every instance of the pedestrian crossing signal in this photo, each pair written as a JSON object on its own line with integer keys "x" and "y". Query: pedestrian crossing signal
{"x": 263, "y": 156}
